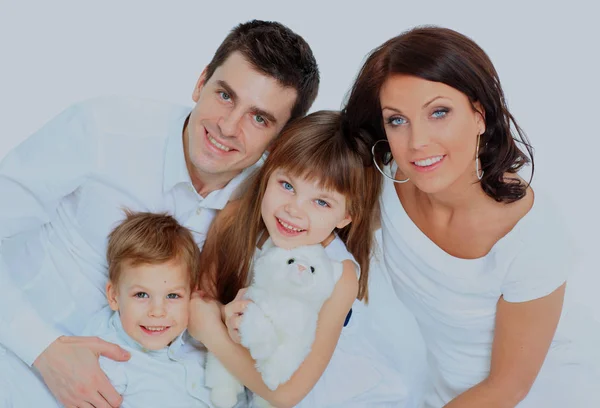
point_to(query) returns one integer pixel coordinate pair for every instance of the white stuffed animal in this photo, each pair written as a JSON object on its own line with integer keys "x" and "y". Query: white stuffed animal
{"x": 278, "y": 327}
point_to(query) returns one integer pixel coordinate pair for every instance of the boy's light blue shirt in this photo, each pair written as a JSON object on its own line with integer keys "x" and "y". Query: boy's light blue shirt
{"x": 170, "y": 377}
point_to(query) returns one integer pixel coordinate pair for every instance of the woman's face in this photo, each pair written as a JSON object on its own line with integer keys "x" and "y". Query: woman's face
{"x": 432, "y": 129}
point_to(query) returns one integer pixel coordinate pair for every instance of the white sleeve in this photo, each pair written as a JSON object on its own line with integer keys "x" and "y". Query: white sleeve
{"x": 34, "y": 177}
{"x": 543, "y": 263}
{"x": 337, "y": 251}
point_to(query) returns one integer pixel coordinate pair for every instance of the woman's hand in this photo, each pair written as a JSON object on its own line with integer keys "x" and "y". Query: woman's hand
{"x": 232, "y": 314}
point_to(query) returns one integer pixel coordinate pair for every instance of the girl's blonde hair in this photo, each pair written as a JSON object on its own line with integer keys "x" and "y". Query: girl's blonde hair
{"x": 314, "y": 147}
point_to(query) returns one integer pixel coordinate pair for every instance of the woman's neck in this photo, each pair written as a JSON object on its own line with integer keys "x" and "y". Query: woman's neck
{"x": 464, "y": 196}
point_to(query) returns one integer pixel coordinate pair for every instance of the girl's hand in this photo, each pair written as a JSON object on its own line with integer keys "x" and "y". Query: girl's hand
{"x": 205, "y": 315}
{"x": 232, "y": 314}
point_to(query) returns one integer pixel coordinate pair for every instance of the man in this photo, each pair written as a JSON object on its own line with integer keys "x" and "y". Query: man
{"x": 64, "y": 188}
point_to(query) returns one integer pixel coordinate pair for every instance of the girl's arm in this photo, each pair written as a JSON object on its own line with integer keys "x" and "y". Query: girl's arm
{"x": 522, "y": 338}
{"x": 206, "y": 326}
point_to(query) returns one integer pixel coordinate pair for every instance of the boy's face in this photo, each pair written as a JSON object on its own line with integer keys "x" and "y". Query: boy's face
{"x": 153, "y": 302}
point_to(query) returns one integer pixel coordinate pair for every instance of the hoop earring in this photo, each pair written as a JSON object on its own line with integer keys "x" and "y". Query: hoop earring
{"x": 478, "y": 160}
{"x": 379, "y": 168}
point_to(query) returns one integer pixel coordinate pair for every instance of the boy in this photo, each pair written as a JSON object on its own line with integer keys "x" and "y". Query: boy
{"x": 153, "y": 267}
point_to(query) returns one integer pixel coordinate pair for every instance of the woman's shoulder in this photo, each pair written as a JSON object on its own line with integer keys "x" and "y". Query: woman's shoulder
{"x": 543, "y": 222}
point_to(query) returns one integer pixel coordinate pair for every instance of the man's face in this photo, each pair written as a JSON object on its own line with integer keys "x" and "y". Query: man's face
{"x": 238, "y": 112}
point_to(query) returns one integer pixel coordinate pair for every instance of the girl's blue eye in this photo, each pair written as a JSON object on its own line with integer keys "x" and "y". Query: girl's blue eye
{"x": 173, "y": 296}
{"x": 287, "y": 186}
{"x": 439, "y": 113}
{"x": 322, "y": 203}
{"x": 396, "y": 121}
{"x": 141, "y": 295}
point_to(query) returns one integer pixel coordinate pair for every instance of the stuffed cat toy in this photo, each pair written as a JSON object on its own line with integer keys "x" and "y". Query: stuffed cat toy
{"x": 278, "y": 327}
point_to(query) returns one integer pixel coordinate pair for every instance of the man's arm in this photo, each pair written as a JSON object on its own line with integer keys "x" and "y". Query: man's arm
{"x": 34, "y": 178}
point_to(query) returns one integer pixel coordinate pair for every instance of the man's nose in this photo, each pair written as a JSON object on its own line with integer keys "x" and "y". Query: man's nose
{"x": 230, "y": 123}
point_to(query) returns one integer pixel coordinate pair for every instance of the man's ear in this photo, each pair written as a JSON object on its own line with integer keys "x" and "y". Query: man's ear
{"x": 199, "y": 85}
{"x": 111, "y": 296}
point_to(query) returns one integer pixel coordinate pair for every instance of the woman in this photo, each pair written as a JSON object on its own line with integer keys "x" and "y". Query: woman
{"x": 479, "y": 258}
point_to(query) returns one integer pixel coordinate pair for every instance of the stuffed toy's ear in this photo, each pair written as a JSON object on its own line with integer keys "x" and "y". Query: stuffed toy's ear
{"x": 338, "y": 268}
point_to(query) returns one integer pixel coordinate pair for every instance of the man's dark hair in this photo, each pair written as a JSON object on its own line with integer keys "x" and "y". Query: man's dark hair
{"x": 274, "y": 50}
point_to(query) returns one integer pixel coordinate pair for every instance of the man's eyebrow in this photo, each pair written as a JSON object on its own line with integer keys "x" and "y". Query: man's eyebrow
{"x": 255, "y": 109}
{"x": 263, "y": 113}
{"x": 227, "y": 88}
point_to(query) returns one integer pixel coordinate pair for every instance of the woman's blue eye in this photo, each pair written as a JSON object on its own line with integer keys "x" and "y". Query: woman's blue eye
{"x": 322, "y": 203}
{"x": 259, "y": 119}
{"x": 287, "y": 186}
{"x": 439, "y": 113}
{"x": 141, "y": 295}
{"x": 396, "y": 121}
{"x": 224, "y": 95}
{"x": 173, "y": 296}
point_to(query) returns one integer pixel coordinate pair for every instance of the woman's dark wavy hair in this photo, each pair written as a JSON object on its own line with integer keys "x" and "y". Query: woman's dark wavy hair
{"x": 443, "y": 55}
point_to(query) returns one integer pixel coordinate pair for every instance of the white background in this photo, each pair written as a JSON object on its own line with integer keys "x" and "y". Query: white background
{"x": 53, "y": 53}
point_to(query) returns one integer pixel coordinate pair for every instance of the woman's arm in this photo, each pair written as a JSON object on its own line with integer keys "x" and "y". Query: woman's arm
{"x": 206, "y": 326}
{"x": 522, "y": 338}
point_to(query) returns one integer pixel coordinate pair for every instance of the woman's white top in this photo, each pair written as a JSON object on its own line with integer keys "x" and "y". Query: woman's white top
{"x": 454, "y": 300}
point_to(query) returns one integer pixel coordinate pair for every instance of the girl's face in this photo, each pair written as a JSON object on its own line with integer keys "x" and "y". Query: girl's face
{"x": 432, "y": 129}
{"x": 299, "y": 212}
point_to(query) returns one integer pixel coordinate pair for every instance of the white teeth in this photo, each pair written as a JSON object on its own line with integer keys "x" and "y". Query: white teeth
{"x": 218, "y": 145}
{"x": 155, "y": 328}
{"x": 288, "y": 226}
{"x": 429, "y": 161}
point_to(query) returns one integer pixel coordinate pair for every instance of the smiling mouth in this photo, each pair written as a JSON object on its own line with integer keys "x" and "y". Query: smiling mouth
{"x": 216, "y": 144}
{"x": 155, "y": 330}
{"x": 289, "y": 227}
{"x": 430, "y": 161}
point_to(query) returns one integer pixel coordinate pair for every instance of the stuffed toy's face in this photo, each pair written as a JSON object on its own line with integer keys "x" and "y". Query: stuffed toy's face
{"x": 305, "y": 272}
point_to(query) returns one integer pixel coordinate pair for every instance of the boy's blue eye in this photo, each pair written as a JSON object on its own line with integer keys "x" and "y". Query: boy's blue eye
{"x": 141, "y": 295}
{"x": 287, "y": 186}
{"x": 224, "y": 95}
{"x": 173, "y": 296}
{"x": 322, "y": 203}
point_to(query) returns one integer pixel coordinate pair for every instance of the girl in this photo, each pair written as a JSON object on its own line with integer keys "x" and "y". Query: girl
{"x": 479, "y": 258}
{"x": 316, "y": 186}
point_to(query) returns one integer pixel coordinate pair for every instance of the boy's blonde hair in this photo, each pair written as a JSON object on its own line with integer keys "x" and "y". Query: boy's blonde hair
{"x": 149, "y": 238}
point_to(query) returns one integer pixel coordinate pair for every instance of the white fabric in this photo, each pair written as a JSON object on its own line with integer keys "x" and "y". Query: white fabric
{"x": 454, "y": 300}
{"x": 63, "y": 190}
{"x": 357, "y": 375}
{"x": 171, "y": 377}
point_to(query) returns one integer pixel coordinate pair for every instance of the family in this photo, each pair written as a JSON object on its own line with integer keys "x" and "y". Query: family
{"x": 129, "y": 229}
